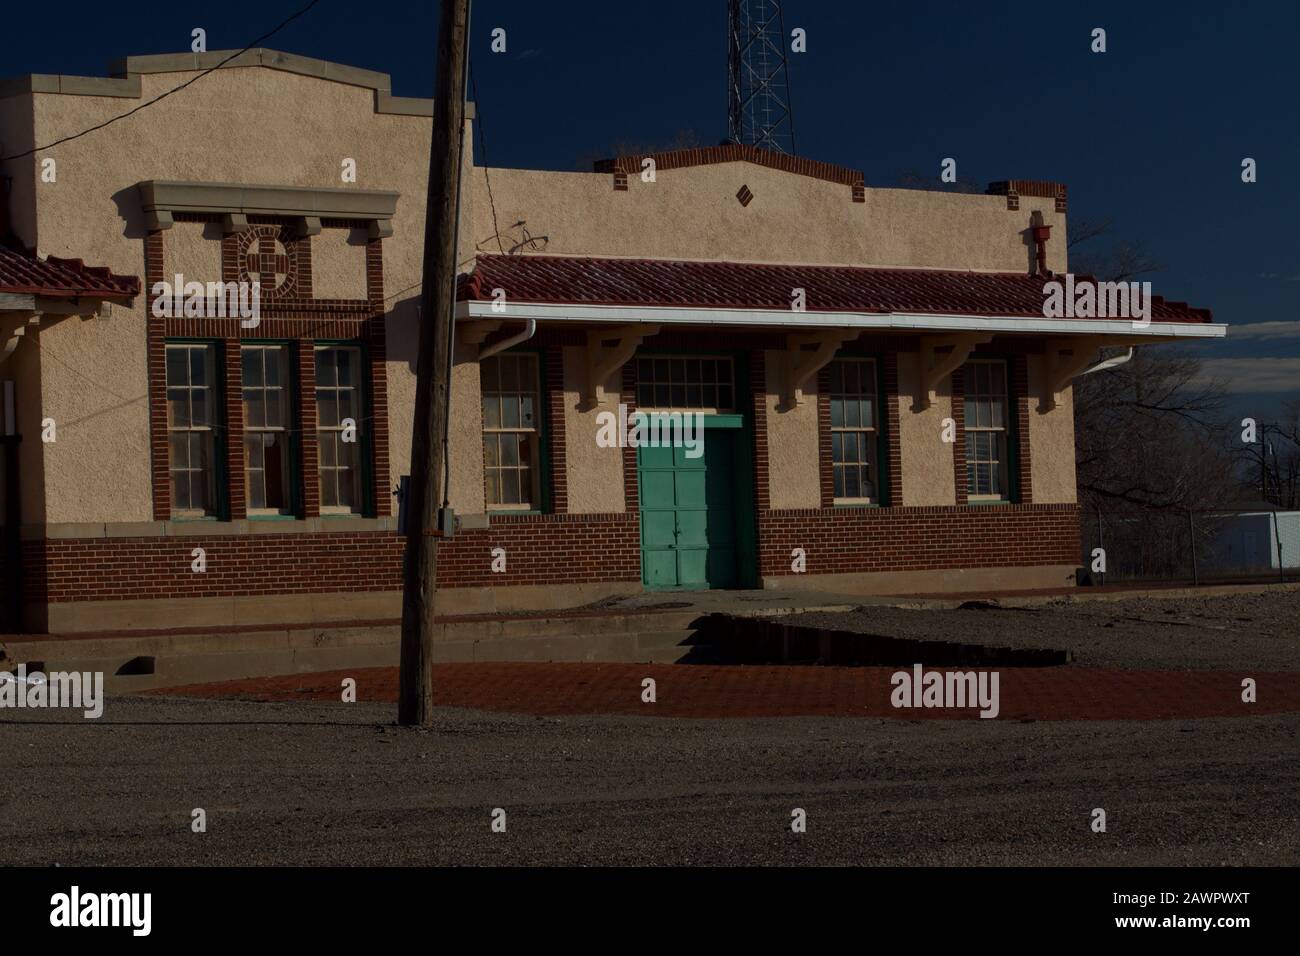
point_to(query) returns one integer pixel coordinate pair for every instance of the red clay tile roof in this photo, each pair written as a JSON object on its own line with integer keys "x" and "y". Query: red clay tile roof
{"x": 566, "y": 280}
{"x": 28, "y": 275}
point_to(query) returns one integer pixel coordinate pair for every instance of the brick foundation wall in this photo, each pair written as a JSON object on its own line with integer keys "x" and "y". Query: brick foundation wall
{"x": 540, "y": 549}
{"x": 849, "y": 540}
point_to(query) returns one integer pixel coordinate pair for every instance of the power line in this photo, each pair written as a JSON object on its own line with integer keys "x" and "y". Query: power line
{"x": 163, "y": 96}
{"x": 482, "y": 146}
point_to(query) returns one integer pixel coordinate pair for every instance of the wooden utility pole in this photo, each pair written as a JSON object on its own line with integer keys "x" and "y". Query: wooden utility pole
{"x": 437, "y": 302}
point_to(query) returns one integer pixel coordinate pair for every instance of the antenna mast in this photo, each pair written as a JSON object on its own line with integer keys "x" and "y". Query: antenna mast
{"x": 758, "y": 84}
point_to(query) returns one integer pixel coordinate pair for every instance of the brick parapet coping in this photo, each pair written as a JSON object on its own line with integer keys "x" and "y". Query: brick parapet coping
{"x": 622, "y": 166}
{"x": 1013, "y": 189}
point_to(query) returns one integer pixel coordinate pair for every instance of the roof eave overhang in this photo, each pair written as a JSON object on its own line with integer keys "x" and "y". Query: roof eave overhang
{"x": 884, "y": 321}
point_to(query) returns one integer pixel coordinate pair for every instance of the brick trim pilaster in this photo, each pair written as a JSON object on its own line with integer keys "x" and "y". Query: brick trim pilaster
{"x": 156, "y": 348}
{"x": 758, "y": 403}
{"x": 893, "y": 439}
{"x": 309, "y": 475}
{"x": 1020, "y": 390}
{"x": 959, "y": 430}
{"x": 232, "y": 384}
{"x": 381, "y": 477}
{"x": 631, "y": 492}
{"x": 553, "y": 359}
{"x": 825, "y": 452}
{"x": 375, "y": 274}
{"x": 300, "y": 254}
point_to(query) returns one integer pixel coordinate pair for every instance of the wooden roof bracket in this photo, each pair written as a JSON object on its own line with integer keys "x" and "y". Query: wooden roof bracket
{"x": 607, "y": 350}
{"x": 802, "y": 363}
{"x": 1065, "y": 358}
{"x": 475, "y": 331}
{"x": 941, "y": 355}
{"x": 13, "y": 332}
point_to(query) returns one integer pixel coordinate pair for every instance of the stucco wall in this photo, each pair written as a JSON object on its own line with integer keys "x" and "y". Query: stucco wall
{"x": 338, "y": 264}
{"x": 594, "y": 475}
{"x": 1051, "y": 439}
{"x": 263, "y": 126}
{"x": 693, "y": 213}
{"x": 192, "y": 250}
{"x": 93, "y": 384}
{"x": 794, "y": 478}
{"x": 250, "y": 125}
{"x": 927, "y": 459}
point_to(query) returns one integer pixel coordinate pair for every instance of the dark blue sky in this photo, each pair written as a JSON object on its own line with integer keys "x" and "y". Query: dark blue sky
{"x": 1150, "y": 133}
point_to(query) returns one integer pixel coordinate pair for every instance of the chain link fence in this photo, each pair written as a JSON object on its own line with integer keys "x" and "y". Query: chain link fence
{"x": 1195, "y": 547}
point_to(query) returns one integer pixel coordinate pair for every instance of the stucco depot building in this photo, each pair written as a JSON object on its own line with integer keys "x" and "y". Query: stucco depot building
{"x": 908, "y": 423}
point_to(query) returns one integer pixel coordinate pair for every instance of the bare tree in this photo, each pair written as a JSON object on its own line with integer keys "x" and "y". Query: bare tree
{"x": 1148, "y": 433}
{"x": 1271, "y": 464}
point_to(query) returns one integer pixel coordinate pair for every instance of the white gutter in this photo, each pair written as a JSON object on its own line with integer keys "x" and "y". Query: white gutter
{"x": 530, "y": 329}
{"x": 1113, "y": 362}
{"x": 659, "y": 315}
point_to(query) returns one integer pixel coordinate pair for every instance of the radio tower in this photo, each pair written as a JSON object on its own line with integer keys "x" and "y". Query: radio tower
{"x": 758, "y": 84}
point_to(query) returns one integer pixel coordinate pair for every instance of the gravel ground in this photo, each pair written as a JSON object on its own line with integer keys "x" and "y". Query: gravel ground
{"x": 320, "y": 784}
{"x": 1234, "y": 631}
{"x": 301, "y": 783}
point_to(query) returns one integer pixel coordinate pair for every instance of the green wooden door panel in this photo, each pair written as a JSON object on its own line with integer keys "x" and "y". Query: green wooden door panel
{"x": 688, "y": 513}
{"x": 651, "y": 457}
{"x": 658, "y": 529}
{"x": 659, "y": 568}
{"x": 658, "y": 489}
{"x": 692, "y": 529}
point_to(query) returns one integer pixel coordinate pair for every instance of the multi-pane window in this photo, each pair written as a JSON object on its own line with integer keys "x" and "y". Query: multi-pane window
{"x": 854, "y": 432}
{"x": 509, "y": 385}
{"x": 192, "y": 401}
{"x": 699, "y": 384}
{"x": 266, "y": 428}
{"x": 339, "y": 428}
{"x": 985, "y": 384}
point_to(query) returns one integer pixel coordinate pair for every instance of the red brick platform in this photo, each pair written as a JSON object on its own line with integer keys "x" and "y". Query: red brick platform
{"x": 1054, "y": 693}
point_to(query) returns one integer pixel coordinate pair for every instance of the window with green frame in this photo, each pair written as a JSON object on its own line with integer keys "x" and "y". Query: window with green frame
{"x": 340, "y": 432}
{"x": 193, "y": 417}
{"x": 268, "y": 418}
{"x": 510, "y": 385}
{"x": 990, "y": 441}
{"x": 856, "y": 435}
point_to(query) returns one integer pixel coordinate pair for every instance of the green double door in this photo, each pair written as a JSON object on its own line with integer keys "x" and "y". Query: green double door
{"x": 693, "y": 532}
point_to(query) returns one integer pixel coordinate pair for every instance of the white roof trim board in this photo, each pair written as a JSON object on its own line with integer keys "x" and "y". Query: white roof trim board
{"x": 895, "y": 321}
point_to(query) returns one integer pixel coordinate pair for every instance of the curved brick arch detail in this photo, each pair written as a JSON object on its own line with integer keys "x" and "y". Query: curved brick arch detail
{"x": 275, "y": 254}
{"x": 621, "y": 166}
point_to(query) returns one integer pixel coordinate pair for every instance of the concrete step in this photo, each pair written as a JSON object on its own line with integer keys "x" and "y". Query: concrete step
{"x": 139, "y": 662}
